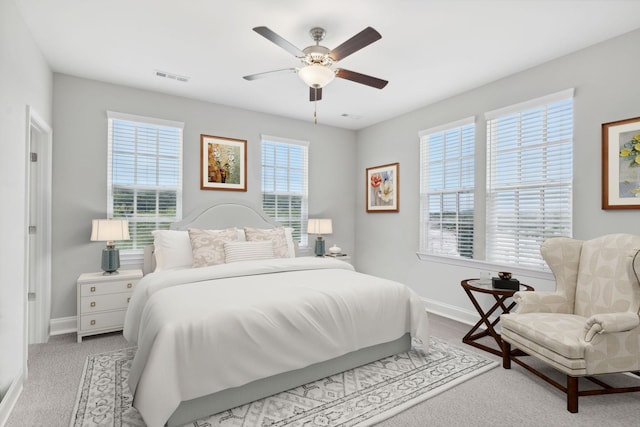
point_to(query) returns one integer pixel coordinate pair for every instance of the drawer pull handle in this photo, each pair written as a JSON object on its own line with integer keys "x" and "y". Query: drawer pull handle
{"x": 93, "y": 322}
{"x": 128, "y": 299}
{"x": 93, "y": 304}
{"x": 129, "y": 285}
{"x": 93, "y": 289}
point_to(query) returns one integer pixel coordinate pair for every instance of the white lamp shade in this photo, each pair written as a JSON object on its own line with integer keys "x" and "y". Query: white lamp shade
{"x": 107, "y": 230}
{"x": 319, "y": 226}
{"x": 316, "y": 75}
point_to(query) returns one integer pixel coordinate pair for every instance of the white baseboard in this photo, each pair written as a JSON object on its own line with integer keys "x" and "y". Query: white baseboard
{"x": 68, "y": 325}
{"x": 63, "y": 325}
{"x": 10, "y": 399}
{"x": 451, "y": 311}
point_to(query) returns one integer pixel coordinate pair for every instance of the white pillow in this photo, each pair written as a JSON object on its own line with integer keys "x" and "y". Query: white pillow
{"x": 247, "y": 251}
{"x": 290, "y": 245}
{"x": 172, "y": 249}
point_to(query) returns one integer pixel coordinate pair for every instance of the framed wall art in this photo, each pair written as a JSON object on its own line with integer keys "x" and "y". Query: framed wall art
{"x": 621, "y": 164}
{"x": 383, "y": 188}
{"x": 223, "y": 163}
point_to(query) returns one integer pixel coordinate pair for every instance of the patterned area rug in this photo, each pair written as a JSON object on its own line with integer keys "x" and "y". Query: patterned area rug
{"x": 358, "y": 397}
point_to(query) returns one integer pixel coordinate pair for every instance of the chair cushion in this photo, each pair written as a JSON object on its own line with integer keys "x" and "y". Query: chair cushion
{"x": 560, "y": 333}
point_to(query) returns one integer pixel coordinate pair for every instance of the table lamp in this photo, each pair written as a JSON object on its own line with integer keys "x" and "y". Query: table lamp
{"x": 319, "y": 226}
{"x": 110, "y": 230}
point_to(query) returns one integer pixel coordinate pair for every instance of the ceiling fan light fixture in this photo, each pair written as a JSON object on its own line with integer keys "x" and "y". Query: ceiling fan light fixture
{"x": 316, "y": 75}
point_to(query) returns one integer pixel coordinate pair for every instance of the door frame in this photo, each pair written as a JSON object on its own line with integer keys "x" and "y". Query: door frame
{"x": 38, "y": 312}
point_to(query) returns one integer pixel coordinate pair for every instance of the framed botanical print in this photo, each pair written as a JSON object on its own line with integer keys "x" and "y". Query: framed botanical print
{"x": 621, "y": 164}
{"x": 383, "y": 188}
{"x": 223, "y": 163}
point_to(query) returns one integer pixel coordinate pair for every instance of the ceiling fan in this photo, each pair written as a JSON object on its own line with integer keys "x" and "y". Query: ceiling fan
{"x": 317, "y": 60}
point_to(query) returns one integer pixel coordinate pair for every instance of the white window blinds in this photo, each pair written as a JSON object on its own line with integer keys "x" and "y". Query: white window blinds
{"x": 144, "y": 182}
{"x": 529, "y": 178}
{"x": 285, "y": 183}
{"x": 447, "y": 189}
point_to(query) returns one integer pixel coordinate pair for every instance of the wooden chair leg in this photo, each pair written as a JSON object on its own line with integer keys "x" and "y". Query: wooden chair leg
{"x": 506, "y": 355}
{"x": 572, "y": 394}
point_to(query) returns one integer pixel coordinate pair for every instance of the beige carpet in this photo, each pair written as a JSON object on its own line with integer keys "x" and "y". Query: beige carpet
{"x": 498, "y": 397}
{"x": 358, "y": 397}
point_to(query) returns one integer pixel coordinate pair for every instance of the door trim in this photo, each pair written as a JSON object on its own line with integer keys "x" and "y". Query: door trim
{"x": 38, "y": 314}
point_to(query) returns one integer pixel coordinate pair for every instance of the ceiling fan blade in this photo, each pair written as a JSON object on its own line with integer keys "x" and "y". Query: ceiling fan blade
{"x": 315, "y": 94}
{"x": 269, "y": 73}
{"x": 361, "y": 78}
{"x": 275, "y": 38}
{"x": 355, "y": 43}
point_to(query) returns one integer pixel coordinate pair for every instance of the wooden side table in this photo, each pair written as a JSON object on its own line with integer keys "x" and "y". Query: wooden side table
{"x": 500, "y": 295}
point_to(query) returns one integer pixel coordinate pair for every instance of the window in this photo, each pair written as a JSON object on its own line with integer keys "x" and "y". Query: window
{"x": 144, "y": 182}
{"x": 529, "y": 178}
{"x": 528, "y": 191}
{"x": 284, "y": 183}
{"x": 447, "y": 189}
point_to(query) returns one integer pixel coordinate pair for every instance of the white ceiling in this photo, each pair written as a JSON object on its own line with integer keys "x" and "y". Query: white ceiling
{"x": 430, "y": 49}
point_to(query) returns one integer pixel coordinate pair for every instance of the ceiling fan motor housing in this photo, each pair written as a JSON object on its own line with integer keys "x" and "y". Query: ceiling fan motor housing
{"x": 317, "y": 55}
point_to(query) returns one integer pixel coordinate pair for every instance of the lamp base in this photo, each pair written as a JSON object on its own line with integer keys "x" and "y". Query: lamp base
{"x": 110, "y": 260}
{"x": 319, "y": 246}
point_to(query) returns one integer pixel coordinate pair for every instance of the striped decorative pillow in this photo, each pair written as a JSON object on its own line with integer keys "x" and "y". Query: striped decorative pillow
{"x": 248, "y": 251}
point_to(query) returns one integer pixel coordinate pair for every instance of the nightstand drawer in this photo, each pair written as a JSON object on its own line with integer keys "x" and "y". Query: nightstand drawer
{"x": 90, "y": 289}
{"x": 102, "y": 320}
{"x": 105, "y": 302}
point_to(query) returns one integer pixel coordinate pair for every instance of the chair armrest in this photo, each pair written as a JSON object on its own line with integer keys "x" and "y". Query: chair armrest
{"x": 610, "y": 322}
{"x": 542, "y": 302}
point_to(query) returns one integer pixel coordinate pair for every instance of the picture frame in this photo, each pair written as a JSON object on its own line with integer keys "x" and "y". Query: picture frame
{"x": 382, "y": 188}
{"x": 223, "y": 163}
{"x": 621, "y": 164}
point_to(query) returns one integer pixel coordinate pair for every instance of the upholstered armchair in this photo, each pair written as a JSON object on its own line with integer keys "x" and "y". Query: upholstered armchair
{"x": 590, "y": 325}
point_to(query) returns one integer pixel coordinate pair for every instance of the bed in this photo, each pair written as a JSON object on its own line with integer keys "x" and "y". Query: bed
{"x": 219, "y": 336}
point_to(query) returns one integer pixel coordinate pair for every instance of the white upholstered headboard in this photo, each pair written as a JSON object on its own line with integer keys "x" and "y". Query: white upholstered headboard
{"x": 223, "y": 214}
{"x": 216, "y": 216}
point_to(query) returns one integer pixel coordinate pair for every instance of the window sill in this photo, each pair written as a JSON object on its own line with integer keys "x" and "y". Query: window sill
{"x": 486, "y": 266}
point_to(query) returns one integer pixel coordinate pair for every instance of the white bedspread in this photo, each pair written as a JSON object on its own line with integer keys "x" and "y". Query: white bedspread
{"x": 203, "y": 330}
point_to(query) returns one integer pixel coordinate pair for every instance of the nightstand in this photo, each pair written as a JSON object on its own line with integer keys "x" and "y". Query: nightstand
{"x": 341, "y": 257}
{"x": 103, "y": 300}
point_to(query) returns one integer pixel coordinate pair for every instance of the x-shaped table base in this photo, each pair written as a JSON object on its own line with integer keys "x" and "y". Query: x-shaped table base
{"x": 500, "y": 296}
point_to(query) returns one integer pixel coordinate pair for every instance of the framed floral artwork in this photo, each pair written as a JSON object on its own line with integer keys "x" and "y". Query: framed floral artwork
{"x": 383, "y": 183}
{"x": 621, "y": 164}
{"x": 223, "y": 163}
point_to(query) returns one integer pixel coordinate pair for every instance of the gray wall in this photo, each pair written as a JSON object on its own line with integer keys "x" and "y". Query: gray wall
{"x": 607, "y": 88}
{"x": 26, "y": 80}
{"x": 80, "y": 167}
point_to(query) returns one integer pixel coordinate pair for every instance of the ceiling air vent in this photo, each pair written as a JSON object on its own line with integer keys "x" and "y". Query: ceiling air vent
{"x": 351, "y": 116}
{"x": 172, "y": 76}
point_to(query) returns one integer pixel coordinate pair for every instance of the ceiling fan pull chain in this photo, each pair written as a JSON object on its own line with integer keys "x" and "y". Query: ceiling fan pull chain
{"x": 315, "y": 112}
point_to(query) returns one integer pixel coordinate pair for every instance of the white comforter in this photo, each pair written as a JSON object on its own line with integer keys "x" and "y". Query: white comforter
{"x": 203, "y": 330}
